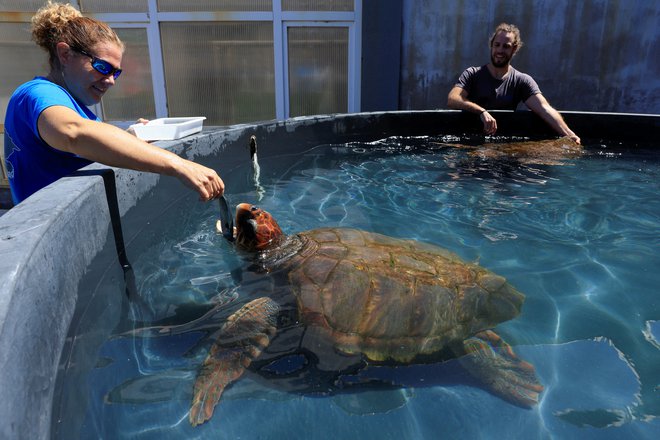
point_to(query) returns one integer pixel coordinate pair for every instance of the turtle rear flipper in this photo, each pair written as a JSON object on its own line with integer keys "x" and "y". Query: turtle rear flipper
{"x": 492, "y": 361}
{"x": 242, "y": 338}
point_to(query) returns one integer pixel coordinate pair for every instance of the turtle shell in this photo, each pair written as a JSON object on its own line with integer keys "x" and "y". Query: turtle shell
{"x": 394, "y": 299}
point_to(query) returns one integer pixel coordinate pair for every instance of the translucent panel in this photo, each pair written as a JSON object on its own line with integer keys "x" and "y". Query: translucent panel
{"x": 132, "y": 96}
{"x": 21, "y": 5}
{"x": 317, "y": 5}
{"x": 221, "y": 70}
{"x": 90, "y": 6}
{"x": 86, "y": 6}
{"x": 214, "y": 5}
{"x": 318, "y": 70}
{"x": 21, "y": 58}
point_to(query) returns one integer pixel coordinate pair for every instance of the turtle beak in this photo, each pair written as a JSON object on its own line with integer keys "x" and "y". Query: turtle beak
{"x": 243, "y": 214}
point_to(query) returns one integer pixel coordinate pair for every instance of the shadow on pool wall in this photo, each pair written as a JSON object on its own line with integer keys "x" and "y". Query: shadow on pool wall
{"x": 49, "y": 242}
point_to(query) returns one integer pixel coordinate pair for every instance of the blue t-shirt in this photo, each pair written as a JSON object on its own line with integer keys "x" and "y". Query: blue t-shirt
{"x": 497, "y": 94}
{"x": 32, "y": 163}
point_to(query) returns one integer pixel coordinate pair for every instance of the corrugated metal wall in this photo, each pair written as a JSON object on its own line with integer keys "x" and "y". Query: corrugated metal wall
{"x": 586, "y": 55}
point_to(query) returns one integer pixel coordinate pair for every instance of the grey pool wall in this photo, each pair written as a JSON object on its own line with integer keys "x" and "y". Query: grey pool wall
{"x": 48, "y": 242}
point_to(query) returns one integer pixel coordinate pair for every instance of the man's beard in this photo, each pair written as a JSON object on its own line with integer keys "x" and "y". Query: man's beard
{"x": 505, "y": 61}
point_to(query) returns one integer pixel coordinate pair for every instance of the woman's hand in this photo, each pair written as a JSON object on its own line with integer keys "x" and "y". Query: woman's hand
{"x": 131, "y": 130}
{"x": 204, "y": 180}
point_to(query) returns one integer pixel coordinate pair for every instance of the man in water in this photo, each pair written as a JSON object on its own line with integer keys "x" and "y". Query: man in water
{"x": 497, "y": 85}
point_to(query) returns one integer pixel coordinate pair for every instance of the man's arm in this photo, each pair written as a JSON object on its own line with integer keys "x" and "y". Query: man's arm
{"x": 458, "y": 100}
{"x": 539, "y": 105}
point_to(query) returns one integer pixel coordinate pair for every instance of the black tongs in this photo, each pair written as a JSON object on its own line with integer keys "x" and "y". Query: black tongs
{"x": 226, "y": 219}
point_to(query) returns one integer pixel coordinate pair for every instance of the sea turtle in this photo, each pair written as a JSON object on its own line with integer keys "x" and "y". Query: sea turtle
{"x": 361, "y": 297}
{"x": 539, "y": 152}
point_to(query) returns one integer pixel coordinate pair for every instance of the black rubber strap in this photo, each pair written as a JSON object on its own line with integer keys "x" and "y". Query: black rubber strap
{"x": 115, "y": 220}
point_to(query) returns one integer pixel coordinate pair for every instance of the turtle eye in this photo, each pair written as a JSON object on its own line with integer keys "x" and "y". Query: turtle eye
{"x": 254, "y": 208}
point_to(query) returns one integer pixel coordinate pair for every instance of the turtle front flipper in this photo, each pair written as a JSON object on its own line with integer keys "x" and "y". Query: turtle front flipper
{"x": 492, "y": 361}
{"x": 240, "y": 340}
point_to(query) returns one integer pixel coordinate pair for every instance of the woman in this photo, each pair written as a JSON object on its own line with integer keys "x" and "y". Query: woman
{"x": 50, "y": 132}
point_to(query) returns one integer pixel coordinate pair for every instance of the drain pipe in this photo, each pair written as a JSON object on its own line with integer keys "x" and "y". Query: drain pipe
{"x": 115, "y": 219}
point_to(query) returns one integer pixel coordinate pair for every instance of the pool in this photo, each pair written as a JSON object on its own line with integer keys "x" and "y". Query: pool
{"x": 579, "y": 239}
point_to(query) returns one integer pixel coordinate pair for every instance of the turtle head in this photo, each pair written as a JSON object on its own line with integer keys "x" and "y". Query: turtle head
{"x": 256, "y": 229}
{"x": 491, "y": 301}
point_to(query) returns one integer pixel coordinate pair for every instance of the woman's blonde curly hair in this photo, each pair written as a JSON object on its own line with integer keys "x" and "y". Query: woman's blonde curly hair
{"x": 58, "y": 22}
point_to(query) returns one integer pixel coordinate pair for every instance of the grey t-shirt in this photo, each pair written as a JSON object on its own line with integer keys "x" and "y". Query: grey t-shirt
{"x": 493, "y": 93}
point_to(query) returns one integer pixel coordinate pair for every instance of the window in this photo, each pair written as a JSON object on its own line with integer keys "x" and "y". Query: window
{"x": 214, "y": 5}
{"x": 104, "y": 6}
{"x": 317, "y": 5}
{"x": 221, "y": 70}
{"x": 22, "y": 60}
{"x": 318, "y": 70}
{"x": 233, "y": 61}
{"x": 132, "y": 96}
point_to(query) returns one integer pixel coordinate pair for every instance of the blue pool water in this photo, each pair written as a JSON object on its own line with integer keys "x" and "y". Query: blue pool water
{"x": 581, "y": 240}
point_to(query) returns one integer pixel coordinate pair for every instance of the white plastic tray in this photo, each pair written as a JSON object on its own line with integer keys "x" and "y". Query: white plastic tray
{"x": 165, "y": 129}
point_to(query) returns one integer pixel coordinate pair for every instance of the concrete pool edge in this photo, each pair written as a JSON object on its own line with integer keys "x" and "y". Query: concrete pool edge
{"x": 40, "y": 270}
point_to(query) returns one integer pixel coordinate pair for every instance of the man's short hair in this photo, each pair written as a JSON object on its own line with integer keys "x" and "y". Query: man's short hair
{"x": 509, "y": 29}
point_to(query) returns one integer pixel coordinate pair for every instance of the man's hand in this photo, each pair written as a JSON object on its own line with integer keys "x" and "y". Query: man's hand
{"x": 490, "y": 124}
{"x": 574, "y": 137}
{"x": 458, "y": 100}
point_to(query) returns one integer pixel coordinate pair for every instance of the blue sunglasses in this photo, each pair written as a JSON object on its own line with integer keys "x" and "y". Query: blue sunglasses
{"x": 101, "y": 66}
